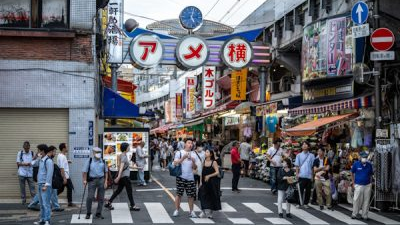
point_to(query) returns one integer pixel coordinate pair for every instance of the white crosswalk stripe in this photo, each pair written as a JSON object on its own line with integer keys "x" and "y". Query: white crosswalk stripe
{"x": 202, "y": 220}
{"x": 82, "y": 219}
{"x": 121, "y": 213}
{"x": 240, "y": 221}
{"x": 225, "y": 207}
{"x": 339, "y": 216}
{"x": 257, "y": 207}
{"x": 375, "y": 216}
{"x": 304, "y": 215}
{"x": 185, "y": 207}
{"x": 158, "y": 213}
{"x": 277, "y": 221}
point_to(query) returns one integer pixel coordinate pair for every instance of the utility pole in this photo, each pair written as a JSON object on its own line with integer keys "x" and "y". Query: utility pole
{"x": 378, "y": 68}
{"x": 114, "y": 77}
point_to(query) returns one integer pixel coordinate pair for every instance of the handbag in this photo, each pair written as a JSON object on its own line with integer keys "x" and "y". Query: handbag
{"x": 292, "y": 195}
{"x": 175, "y": 170}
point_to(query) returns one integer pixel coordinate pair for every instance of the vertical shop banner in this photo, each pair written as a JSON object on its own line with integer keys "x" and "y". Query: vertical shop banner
{"x": 173, "y": 109}
{"x": 190, "y": 98}
{"x": 168, "y": 113}
{"x": 178, "y": 105}
{"x": 114, "y": 31}
{"x": 337, "y": 62}
{"x": 208, "y": 92}
{"x": 239, "y": 81}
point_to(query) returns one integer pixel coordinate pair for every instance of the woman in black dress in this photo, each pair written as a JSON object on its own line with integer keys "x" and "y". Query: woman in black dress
{"x": 285, "y": 177}
{"x": 209, "y": 186}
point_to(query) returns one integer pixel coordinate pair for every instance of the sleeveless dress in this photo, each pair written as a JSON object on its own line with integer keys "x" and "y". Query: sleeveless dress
{"x": 209, "y": 192}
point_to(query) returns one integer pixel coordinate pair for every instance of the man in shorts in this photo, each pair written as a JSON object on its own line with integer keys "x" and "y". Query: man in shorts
{"x": 185, "y": 182}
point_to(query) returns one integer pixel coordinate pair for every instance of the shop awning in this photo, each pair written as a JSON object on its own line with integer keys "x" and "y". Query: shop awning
{"x": 354, "y": 103}
{"x": 195, "y": 122}
{"x": 161, "y": 129}
{"x": 250, "y": 35}
{"x": 115, "y": 106}
{"x": 311, "y": 127}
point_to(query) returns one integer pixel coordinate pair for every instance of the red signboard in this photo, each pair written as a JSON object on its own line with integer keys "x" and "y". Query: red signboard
{"x": 382, "y": 39}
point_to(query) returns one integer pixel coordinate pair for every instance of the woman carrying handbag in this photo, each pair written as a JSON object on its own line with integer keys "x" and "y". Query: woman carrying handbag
{"x": 285, "y": 178}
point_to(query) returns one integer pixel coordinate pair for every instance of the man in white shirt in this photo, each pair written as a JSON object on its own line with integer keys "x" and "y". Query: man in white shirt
{"x": 63, "y": 163}
{"x": 274, "y": 156}
{"x": 244, "y": 150}
{"x": 25, "y": 170}
{"x": 185, "y": 182}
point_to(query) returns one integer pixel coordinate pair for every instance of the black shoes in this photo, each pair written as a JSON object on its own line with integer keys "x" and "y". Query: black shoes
{"x": 134, "y": 208}
{"x": 109, "y": 206}
{"x": 88, "y": 216}
{"x": 288, "y": 215}
{"x": 99, "y": 216}
{"x": 321, "y": 207}
{"x": 58, "y": 210}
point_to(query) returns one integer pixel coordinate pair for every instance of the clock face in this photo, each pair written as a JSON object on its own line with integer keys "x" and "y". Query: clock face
{"x": 191, "y": 17}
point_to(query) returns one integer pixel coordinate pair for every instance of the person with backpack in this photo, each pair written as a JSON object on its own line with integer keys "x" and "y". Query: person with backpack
{"x": 63, "y": 163}
{"x": 94, "y": 175}
{"x": 45, "y": 180}
{"x": 25, "y": 158}
{"x": 57, "y": 183}
{"x": 123, "y": 180}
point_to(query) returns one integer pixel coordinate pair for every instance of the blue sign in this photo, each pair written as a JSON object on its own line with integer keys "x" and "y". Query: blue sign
{"x": 91, "y": 133}
{"x": 359, "y": 12}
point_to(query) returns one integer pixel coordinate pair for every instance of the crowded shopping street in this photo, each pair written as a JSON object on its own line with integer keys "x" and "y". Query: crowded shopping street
{"x": 199, "y": 112}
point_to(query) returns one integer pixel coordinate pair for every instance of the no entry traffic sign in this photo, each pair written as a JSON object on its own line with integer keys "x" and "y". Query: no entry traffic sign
{"x": 382, "y": 39}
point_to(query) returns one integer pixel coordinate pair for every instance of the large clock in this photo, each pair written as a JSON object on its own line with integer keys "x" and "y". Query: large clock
{"x": 191, "y": 18}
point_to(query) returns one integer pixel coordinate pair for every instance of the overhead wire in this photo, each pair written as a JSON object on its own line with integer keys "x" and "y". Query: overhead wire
{"x": 211, "y": 8}
{"x": 236, "y": 10}
{"x": 229, "y": 10}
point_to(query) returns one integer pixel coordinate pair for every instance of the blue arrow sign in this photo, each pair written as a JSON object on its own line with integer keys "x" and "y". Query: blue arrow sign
{"x": 359, "y": 12}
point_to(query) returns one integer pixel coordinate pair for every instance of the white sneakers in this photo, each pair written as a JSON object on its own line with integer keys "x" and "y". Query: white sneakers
{"x": 193, "y": 215}
{"x": 202, "y": 215}
{"x": 176, "y": 213}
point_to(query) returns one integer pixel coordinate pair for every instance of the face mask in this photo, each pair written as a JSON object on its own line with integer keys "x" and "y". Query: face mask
{"x": 97, "y": 155}
{"x": 284, "y": 164}
{"x": 364, "y": 160}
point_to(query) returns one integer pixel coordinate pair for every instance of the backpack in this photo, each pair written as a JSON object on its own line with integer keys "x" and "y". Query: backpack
{"x": 35, "y": 172}
{"x": 20, "y": 156}
{"x": 57, "y": 179}
{"x": 87, "y": 174}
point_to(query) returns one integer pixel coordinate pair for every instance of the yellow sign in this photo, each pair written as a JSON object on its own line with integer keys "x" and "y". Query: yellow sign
{"x": 239, "y": 81}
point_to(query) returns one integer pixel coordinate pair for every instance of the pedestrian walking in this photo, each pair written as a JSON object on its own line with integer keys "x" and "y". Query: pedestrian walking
{"x": 25, "y": 158}
{"x": 34, "y": 204}
{"x": 236, "y": 163}
{"x": 54, "y": 191}
{"x": 244, "y": 150}
{"x": 123, "y": 180}
{"x": 63, "y": 163}
{"x": 94, "y": 175}
{"x": 170, "y": 152}
{"x": 304, "y": 162}
{"x": 163, "y": 154}
{"x": 201, "y": 156}
{"x": 209, "y": 193}
{"x": 45, "y": 175}
{"x": 274, "y": 156}
{"x": 361, "y": 174}
{"x": 141, "y": 163}
{"x": 285, "y": 177}
{"x": 322, "y": 167}
{"x": 185, "y": 182}
{"x": 181, "y": 144}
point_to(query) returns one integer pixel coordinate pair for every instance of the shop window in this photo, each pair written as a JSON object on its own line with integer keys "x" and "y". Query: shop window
{"x": 34, "y": 14}
{"x": 314, "y": 9}
{"x": 327, "y": 5}
{"x": 289, "y": 23}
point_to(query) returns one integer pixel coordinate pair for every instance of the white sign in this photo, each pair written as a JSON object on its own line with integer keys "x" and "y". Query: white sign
{"x": 382, "y": 133}
{"x": 382, "y": 56}
{"x": 192, "y": 52}
{"x": 237, "y": 53}
{"x": 232, "y": 120}
{"x": 114, "y": 31}
{"x": 208, "y": 92}
{"x": 146, "y": 51}
{"x": 360, "y": 31}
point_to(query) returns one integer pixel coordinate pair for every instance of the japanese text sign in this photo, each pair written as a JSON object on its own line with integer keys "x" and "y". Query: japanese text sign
{"x": 237, "y": 53}
{"x": 239, "y": 82}
{"x": 209, "y": 84}
{"x": 192, "y": 52}
{"x": 114, "y": 35}
{"x": 178, "y": 105}
{"x": 146, "y": 51}
{"x": 190, "y": 97}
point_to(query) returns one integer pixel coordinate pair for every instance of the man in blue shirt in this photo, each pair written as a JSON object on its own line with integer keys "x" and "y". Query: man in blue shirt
{"x": 361, "y": 174}
{"x": 25, "y": 170}
{"x": 95, "y": 173}
{"x": 45, "y": 177}
{"x": 304, "y": 165}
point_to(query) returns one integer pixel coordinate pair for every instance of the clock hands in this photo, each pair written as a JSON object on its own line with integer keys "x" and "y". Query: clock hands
{"x": 191, "y": 16}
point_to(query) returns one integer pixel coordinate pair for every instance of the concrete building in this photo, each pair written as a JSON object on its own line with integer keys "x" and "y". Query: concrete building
{"x": 48, "y": 83}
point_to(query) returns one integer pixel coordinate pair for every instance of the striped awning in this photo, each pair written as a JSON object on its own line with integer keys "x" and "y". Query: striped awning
{"x": 355, "y": 103}
{"x": 161, "y": 129}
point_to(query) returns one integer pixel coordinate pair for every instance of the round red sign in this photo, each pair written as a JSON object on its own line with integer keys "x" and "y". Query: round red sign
{"x": 382, "y": 39}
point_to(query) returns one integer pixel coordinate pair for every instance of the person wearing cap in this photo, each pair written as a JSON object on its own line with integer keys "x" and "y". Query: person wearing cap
{"x": 94, "y": 174}
{"x": 274, "y": 156}
{"x": 361, "y": 174}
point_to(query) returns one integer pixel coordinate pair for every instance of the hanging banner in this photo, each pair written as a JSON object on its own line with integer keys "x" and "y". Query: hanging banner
{"x": 168, "y": 112}
{"x": 178, "y": 105}
{"x": 208, "y": 93}
{"x": 337, "y": 62}
{"x": 114, "y": 31}
{"x": 239, "y": 81}
{"x": 173, "y": 110}
{"x": 190, "y": 98}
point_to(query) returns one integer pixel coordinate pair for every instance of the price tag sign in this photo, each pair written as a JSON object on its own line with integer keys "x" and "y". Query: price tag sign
{"x": 360, "y": 31}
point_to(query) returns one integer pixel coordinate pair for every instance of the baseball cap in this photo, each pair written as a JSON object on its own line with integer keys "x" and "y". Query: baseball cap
{"x": 97, "y": 149}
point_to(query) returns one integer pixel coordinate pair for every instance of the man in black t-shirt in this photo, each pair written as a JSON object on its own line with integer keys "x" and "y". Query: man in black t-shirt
{"x": 321, "y": 169}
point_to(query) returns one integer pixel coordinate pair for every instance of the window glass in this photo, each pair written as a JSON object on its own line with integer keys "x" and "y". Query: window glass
{"x": 54, "y": 14}
{"x": 15, "y": 13}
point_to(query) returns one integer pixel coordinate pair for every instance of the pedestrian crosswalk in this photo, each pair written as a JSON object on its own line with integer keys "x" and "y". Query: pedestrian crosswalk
{"x": 238, "y": 213}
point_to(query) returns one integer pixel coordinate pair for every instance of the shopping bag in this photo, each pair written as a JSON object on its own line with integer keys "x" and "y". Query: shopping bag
{"x": 175, "y": 170}
{"x": 334, "y": 192}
